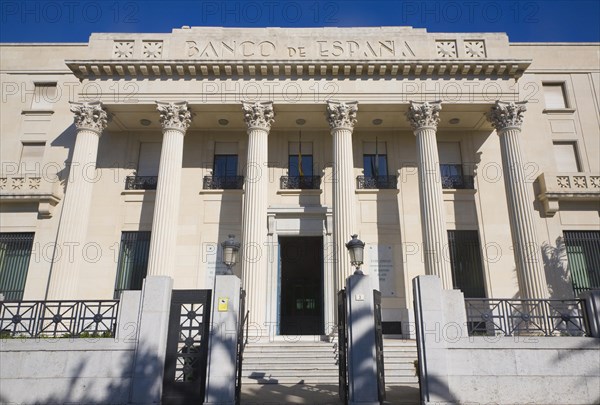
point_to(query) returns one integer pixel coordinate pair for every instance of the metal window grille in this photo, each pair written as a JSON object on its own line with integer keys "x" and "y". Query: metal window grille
{"x": 133, "y": 261}
{"x": 15, "y": 253}
{"x": 583, "y": 254}
{"x": 466, "y": 263}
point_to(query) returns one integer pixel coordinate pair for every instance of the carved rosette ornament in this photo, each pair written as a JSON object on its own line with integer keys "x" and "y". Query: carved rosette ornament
{"x": 341, "y": 115}
{"x": 505, "y": 115}
{"x": 174, "y": 115}
{"x": 90, "y": 116}
{"x": 258, "y": 115}
{"x": 424, "y": 115}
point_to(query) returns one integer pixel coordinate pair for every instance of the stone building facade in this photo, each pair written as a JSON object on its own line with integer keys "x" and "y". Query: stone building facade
{"x": 459, "y": 155}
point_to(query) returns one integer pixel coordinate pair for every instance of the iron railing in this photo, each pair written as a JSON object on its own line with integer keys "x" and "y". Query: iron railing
{"x": 458, "y": 182}
{"x": 56, "y": 319}
{"x": 223, "y": 182}
{"x": 381, "y": 182}
{"x": 300, "y": 182}
{"x": 511, "y": 317}
{"x": 141, "y": 182}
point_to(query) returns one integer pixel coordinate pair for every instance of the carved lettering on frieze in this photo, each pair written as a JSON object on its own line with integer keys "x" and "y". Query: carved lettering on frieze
{"x": 328, "y": 49}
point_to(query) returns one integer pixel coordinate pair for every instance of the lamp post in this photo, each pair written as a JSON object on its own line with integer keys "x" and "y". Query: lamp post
{"x": 231, "y": 250}
{"x": 356, "y": 248}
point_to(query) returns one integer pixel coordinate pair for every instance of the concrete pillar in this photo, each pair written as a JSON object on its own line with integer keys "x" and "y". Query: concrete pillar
{"x": 507, "y": 119}
{"x": 175, "y": 119}
{"x": 362, "y": 362}
{"x": 153, "y": 324}
{"x": 341, "y": 118}
{"x": 90, "y": 121}
{"x": 221, "y": 372}
{"x": 424, "y": 118}
{"x": 258, "y": 118}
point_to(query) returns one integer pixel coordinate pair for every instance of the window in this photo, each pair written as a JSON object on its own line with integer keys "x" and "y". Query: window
{"x": 32, "y": 155}
{"x": 147, "y": 171}
{"x": 375, "y": 167}
{"x": 565, "y": 154}
{"x": 15, "y": 252}
{"x": 300, "y": 167}
{"x": 451, "y": 169}
{"x": 133, "y": 261}
{"x": 554, "y": 96}
{"x": 583, "y": 254}
{"x": 466, "y": 264}
{"x": 44, "y": 96}
{"x": 225, "y": 168}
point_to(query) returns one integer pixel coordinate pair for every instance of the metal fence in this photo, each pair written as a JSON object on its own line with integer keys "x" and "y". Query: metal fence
{"x": 58, "y": 319}
{"x": 508, "y": 317}
{"x": 223, "y": 182}
{"x": 458, "y": 182}
{"x": 300, "y": 182}
{"x": 376, "y": 182}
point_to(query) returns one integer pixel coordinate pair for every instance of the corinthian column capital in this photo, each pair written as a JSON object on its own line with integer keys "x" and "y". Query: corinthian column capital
{"x": 505, "y": 115}
{"x": 424, "y": 115}
{"x": 258, "y": 115}
{"x": 174, "y": 115}
{"x": 341, "y": 115}
{"x": 90, "y": 116}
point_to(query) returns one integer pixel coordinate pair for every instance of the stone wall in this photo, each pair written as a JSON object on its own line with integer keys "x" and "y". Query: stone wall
{"x": 456, "y": 368}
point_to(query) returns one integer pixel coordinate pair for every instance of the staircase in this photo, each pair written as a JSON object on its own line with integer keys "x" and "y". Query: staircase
{"x": 309, "y": 362}
{"x": 304, "y": 362}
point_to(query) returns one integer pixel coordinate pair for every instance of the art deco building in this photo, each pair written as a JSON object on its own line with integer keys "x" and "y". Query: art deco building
{"x": 459, "y": 155}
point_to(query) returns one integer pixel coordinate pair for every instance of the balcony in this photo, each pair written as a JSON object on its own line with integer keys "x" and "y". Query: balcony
{"x": 28, "y": 189}
{"x": 458, "y": 182}
{"x": 300, "y": 182}
{"x": 376, "y": 182}
{"x": 555, "y": 187}
{"x": 141, "y": 182}
{"x": 223, "y": 182}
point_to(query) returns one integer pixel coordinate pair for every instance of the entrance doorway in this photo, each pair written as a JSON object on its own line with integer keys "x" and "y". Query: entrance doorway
{"x": 301, "y": 285}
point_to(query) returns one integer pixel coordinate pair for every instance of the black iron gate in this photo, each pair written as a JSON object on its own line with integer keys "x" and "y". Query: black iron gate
{"x": 379, "y": 346}
{"x": 241, "y": 343}
{"x": 343, "y": 346}
{"x": 187, "y": 347}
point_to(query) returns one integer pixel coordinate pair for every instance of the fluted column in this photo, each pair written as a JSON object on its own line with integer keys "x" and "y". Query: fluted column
{"x": 424, "y": 118}
{"x": 507, "y": 118}
{"x": 258, "y": 118}
{"x": 342, "y": 117}
{"x": 90, "y": 121}
{"x": 175, "y": 119}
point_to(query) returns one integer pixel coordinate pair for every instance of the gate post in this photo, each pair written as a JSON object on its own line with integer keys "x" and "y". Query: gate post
{"x": 153, "y": 325}
{"x": 362, "y": 362}
{"x": 222, "y": 345}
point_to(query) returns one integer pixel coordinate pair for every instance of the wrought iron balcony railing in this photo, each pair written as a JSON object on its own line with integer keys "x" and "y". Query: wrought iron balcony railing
{"x": 508, "y": 317}
{"x": 300, "y": 182}
{"x": 458, "y": 182}
{"x": 58, "y": 319}
{"x": 141, "y": 182}
{"x": 223, "y": 182}
{"x": 371, "y": 182}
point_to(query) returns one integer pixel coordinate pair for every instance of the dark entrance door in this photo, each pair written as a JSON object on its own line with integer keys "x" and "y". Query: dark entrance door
{"x": 301, "y": 283}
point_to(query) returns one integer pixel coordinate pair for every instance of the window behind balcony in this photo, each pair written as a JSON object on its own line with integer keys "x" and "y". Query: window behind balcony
{"x": 375, "y": 159}
{"x": 451, "y": 167}
{"x": 300, "y": 159}
{"x": 466, "y": 263}
{"x": 149, "y": 159}
{"x": 133, "y": 261}
{"x": 15, "y": 253}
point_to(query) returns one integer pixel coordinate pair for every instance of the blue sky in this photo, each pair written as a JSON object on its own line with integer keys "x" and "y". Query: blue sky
{"x": 523, "y": 20}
